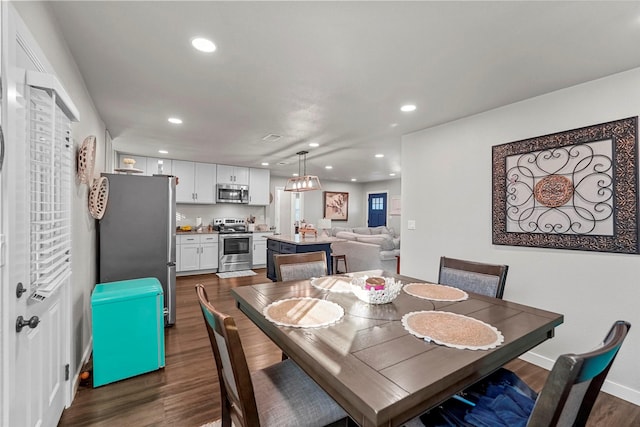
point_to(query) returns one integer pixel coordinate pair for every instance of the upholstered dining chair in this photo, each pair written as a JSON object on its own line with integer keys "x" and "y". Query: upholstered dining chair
{"x": 566, "y": 398}
{"x": 300, "y": 266}
{"x": 279, "y": 395}
{"x": 480, "y": 278}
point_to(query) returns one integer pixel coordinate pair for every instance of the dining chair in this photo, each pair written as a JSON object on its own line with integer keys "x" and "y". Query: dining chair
{"x": 566, "y": 398}
{"x": 300, "y": 266}
{"x": 480, "y": 278}
{"x": 279, "y": 395}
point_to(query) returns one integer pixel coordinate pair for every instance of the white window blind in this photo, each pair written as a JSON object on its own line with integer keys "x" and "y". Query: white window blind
{"x": 50, "y": 166}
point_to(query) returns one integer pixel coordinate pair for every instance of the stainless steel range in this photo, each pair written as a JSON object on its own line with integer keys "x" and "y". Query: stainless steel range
{"x": 235, "y": 244}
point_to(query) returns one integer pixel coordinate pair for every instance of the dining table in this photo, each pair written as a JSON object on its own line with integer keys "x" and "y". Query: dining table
{"x": 371, "y": 363}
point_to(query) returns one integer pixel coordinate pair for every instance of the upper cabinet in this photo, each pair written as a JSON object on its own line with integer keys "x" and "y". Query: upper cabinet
{"x": 141, "y": 163}
{"x": 259, "y": 186}
{"x": 157, "y": 166}
{"x": 196, "y": 182}
{"x": 233, "y": 175}
{"x": 148, "y": 165}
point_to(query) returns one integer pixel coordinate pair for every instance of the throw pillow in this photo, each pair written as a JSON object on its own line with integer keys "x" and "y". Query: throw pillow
{"x": 380, "y": 230}
{"x": 336, "y": 230}
{"x": 346, "y": 235}
{"x": 385, "y": 243}
{"x": 362, "y": 230}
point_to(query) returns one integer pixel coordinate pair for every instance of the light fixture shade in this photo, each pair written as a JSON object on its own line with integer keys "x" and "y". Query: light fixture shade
{"x": 324, "y": 223}
{"x": 303, "y": 183}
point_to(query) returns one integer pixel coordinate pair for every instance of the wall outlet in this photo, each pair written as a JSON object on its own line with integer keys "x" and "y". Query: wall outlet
{"x": 411, "y": 224}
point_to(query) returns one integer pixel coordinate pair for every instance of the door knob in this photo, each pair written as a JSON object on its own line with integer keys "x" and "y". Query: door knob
{"x": 21, "y": 323}
{"x": 20, "y": 289}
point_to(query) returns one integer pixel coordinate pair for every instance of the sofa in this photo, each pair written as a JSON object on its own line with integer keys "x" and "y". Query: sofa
{"x": 367, "y": 248}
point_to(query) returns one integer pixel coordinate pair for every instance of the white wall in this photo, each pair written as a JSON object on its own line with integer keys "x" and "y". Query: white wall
{"x": 45, "y": 30}
{"x": 446, "y": 189}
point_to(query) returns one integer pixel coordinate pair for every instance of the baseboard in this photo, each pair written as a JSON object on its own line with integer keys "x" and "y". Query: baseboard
{"x": 618, "y": 390}
{"x": 76, "y": 375}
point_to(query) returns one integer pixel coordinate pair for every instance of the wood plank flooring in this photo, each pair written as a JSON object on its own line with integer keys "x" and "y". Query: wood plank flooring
{"x": 185, "y": 393}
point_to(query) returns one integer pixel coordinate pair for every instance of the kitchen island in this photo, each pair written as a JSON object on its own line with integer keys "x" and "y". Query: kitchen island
{"x": 296, "y": 244}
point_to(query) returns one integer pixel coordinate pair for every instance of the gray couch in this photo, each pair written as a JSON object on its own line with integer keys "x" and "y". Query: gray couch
{"x": 367, "y": 248}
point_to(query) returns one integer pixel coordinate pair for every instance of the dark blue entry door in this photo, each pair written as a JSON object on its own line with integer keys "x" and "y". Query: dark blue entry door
{"x": 377, "y": 209}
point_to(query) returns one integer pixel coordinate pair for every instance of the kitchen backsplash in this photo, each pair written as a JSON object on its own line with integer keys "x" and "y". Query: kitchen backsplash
{"x": 187, "y": 214}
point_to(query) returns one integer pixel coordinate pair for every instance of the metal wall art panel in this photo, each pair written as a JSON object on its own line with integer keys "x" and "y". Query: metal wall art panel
{"x": 576, "y": 189}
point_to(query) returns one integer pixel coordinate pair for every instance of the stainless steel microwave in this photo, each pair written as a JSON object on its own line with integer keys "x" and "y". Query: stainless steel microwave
{"x": 232, "y": 193}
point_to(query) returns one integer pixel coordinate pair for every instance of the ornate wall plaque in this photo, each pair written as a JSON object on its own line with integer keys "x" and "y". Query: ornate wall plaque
{"x": 576, "y": 189}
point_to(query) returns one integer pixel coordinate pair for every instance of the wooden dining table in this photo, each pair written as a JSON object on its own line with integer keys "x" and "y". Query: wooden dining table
{"x": 373, "y": 367}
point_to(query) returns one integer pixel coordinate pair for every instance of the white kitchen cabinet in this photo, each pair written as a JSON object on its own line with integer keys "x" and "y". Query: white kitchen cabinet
{"x": 259, "y": 186}
{"x": 141, "y": 163}
{"x": 196, "y": 182}
{"x": 197, "y": 252}
{"x": 158, "y": 166}
{"x": 260, "y": 248}
{"x": 208, "y": 251}
{"x": 233, "y": 175}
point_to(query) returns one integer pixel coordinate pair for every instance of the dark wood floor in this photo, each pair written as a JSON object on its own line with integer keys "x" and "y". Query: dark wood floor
{"x": 185, "y": 393}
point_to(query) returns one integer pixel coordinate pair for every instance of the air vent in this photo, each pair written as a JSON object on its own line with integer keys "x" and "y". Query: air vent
{"x": 272, "y": 137}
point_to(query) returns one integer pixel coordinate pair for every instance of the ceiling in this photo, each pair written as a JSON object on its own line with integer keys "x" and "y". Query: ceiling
{"x": 333, "y": 73}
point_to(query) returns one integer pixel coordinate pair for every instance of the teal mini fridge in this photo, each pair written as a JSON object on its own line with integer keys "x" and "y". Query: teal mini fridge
{"x": 128, "y": 329}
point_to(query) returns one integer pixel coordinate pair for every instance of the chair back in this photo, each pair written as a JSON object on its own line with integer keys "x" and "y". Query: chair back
{"x": 575, "y": 381}
{"x": 236, "y": 388}
{"x": 480, "y": 278}
{"x": 300, "y": 266}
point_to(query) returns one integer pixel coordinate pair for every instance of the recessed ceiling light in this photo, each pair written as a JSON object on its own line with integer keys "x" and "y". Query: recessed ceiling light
{"x": 282, "y": 163}
{"x": 163, "y": 152}
{"x": 392, "y": 174}
{"x": 174, "y": 120}
{"x": 408, "y": 108}
{"x": 353, "y": 179}
{"x": 203, "y": 45}
{"x": 314, "y": 144}
{"x": 379, "y": 156}
{"x": 393, "y": 125}
{"x": 328, "y": 167}
{"x": 265, "y": 163}
{"x": 295, "y": 174}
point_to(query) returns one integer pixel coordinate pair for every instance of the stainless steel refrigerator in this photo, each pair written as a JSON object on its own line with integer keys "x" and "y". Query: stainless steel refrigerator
{"x": 137, "y": 234}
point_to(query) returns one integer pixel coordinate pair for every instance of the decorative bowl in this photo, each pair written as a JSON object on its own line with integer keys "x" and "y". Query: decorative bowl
{"x": 372, "y": 296}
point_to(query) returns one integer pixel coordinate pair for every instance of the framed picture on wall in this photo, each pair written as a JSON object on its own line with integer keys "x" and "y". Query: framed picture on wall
{"x": 576, "y": 189}
{"x": 336, "y": 205}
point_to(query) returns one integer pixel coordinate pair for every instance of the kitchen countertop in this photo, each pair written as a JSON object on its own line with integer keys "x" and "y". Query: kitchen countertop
{"x": 307, "y": 240}
{"x": 197, "y": 232}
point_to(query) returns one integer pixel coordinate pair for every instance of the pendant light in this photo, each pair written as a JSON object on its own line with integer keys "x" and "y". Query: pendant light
{"x": 302, "y": 182}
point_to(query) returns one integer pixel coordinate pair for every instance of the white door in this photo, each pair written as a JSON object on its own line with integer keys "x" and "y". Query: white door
{"x": 37, "y": 355}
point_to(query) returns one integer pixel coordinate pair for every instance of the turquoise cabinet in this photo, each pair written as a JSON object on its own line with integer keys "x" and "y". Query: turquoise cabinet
{"x": 128, "y": 329}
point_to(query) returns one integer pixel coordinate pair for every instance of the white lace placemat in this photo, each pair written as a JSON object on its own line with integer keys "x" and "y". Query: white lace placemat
{"x": 332, "y": 283}
{"x": 435, "y": 292}
{"x": 303, "y": 312}
{"x": 452, "y": 330}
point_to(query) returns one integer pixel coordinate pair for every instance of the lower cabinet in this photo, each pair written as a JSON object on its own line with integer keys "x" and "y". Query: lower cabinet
{"x": 260, "y": 248}
{"x": 197, "y": 252}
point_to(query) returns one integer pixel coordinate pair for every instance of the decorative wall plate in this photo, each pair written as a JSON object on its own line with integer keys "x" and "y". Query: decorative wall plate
{"x": 86, "y": 159}
{"x": 98, "y": 197}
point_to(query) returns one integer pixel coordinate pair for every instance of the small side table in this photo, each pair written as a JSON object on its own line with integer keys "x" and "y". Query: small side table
{"x": 337, "y": 258}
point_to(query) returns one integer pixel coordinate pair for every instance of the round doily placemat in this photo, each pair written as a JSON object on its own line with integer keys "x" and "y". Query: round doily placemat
{"x": 303, "y": 312}
{"x": 332, "y": 283}
{"x": 435, "y": 292}
{"x": 452, "y": 330}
